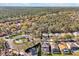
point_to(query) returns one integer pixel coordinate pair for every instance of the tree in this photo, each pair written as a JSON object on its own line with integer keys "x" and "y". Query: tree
{"x": 39, "y": 50}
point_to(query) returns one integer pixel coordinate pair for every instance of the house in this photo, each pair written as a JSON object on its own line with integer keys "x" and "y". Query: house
{"x": 45, "y": 47}
{"x": 45, "y": 34}
{"x": 57, "y": 34}
{"x": 51, "y": 34}
{"x": 73, "y": 47}
{"x": 51, "y": 41}
{"x": 55, "y": 49}
{"x": 63, "y": 47}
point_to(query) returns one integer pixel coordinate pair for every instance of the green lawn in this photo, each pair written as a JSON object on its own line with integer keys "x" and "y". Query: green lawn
{"x": 55, "y": 55}
{"x": 14, "y": 35}
{"x": 58, "y": 55}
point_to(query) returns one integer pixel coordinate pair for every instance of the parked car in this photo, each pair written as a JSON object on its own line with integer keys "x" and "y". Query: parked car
{"x": 66, "y": 51}
{"x": 56, "y": 51}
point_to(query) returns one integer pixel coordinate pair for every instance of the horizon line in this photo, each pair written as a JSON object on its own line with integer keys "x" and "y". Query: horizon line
{"x": 41, "y": 4}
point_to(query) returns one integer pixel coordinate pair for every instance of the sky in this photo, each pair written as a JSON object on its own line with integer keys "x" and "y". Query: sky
{"x": 41, "y": 4}
{"x": 39, "y": 1}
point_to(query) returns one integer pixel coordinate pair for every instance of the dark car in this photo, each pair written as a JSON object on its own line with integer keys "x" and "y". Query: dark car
{"x": 56, "y": 51}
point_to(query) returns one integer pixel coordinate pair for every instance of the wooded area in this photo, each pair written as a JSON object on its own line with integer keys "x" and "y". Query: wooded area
{"x": 47, "y": 19}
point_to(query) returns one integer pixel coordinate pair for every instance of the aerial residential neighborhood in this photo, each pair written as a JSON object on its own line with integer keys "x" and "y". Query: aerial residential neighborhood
{"x": 39, "y": 31}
